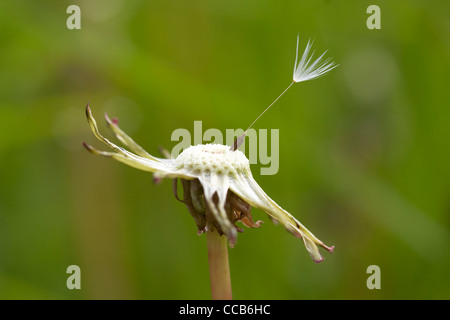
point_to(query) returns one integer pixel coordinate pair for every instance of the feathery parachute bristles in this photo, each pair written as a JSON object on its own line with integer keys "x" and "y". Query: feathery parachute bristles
{"x": 304, "y": 71}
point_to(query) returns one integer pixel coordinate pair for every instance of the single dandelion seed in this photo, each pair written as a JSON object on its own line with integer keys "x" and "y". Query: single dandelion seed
{"x": 218, "y": 187}
{"x": 303, "y": 71}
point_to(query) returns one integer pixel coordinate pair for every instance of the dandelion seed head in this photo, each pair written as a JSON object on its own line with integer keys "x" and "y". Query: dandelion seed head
{"x": 214, "y": 158}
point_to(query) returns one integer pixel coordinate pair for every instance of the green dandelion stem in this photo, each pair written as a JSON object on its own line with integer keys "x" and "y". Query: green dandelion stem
{"x": 219, "y": 268}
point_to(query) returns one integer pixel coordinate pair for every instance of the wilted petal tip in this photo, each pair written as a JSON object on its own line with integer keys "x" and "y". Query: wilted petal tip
{"x": 319, "y": 261}
{"x": 88, "y": 110}
{"x": 88, "y": 147}
{"x": 157, "y": 180}
{"x": 329, "y": 249}
{"x": 109, "y": 121}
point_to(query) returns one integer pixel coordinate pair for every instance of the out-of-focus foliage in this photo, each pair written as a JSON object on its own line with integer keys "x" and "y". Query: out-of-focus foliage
{"x": 364, "y": 151}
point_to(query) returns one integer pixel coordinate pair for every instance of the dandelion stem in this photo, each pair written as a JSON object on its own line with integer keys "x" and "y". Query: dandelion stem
{"x": 219, "y": 268}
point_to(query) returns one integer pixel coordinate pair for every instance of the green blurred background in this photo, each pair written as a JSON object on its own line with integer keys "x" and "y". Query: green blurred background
{"x": 364, "y": 151}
